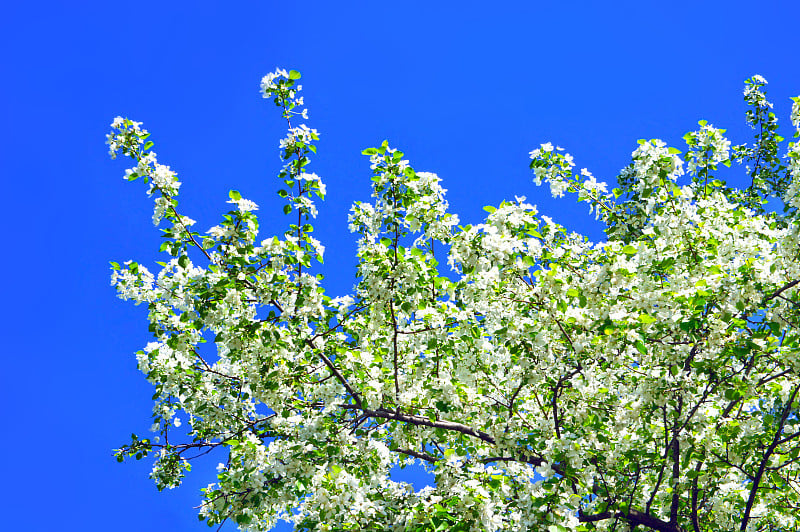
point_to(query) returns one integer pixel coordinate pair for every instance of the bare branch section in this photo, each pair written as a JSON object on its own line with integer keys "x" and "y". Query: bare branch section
{"x": 782, "y": 289}
{"x": 382, "y": 413}
{"x": 634, "y": 518}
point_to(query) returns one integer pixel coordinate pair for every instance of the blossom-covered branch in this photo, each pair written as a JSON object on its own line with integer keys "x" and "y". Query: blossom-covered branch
{"x": 649, "y": 381}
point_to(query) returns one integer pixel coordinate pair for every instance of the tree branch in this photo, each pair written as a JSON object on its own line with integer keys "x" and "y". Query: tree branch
{"x": 415, "y": 454}
{"x": 354, "y": 394}
{"x": 382, "y": 413}
{"x": 782, "y": 289}
{"x": 763, "y": 465}
{"x": 634, "y": 518}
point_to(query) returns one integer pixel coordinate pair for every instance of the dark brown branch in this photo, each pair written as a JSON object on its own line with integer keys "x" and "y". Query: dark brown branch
{"x": 782, "y": 289}
{"x": 189, "y": 233}
{"x": 339, "y": 323}
{"x": 382, "y": 413}
{"x": 354, "y": 394}
{"x": 415, "y": 454}
{"x": 394, "y": 353}
{"x": 695, "y": 493}
{"x": 634, "y": 518}
{"x": 676, "y": 465}
{"x": 426, "y": 329}
{"x": 663, "y": 464}
{"x": 554, "y": 402}
{"x": 763, "y": 465}
{"x": 788, "y": 438}
{"x": 676, "y": 471}
{"x": 533, "y": 460}
{"x": 514, "y": 396}
{"x": 791, "y": 302}
{"x": 395, "y": 329}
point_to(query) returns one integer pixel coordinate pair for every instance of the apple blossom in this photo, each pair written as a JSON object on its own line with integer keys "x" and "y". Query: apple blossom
{"x": 648, "y": 382}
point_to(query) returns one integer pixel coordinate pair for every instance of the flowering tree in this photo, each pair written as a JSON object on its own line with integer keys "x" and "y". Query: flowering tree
{"x": 647, "y": 382}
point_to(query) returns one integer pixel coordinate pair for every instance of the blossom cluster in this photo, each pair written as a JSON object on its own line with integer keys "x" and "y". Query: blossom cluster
{"x": 280, "y": 85}
{"x": 552, "y": 167}
{"x": 555, "y": 169}
{"x": 792, "y": 196}
{"x": 129, "y": 138}
{"x": 754, "y": 93}
{"x": 708, "y": 148}
{"x": 655, "y": 164}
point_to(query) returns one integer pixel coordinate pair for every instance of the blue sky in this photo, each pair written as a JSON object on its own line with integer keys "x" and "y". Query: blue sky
{"x": 465, "y": 89}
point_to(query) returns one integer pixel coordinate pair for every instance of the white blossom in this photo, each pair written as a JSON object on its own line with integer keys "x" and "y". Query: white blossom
{"x": 547, "y": 382}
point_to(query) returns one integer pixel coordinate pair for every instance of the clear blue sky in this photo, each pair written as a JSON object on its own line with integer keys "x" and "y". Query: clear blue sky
{"x": 466, "y": 89}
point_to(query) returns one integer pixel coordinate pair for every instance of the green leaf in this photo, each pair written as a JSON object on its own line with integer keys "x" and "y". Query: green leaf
{"x": 646, "y": 318}
{"x": 731, "y": 394}
{"x": 234, "y": 195}
{"x": 294, "y": 74}
{"x": 369, "y": 151}
{"x": 287, "y": 209}
{"x": 148, "y": 145}
{"x": 490, "y": 209}
{"x": 629, "y": 250}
